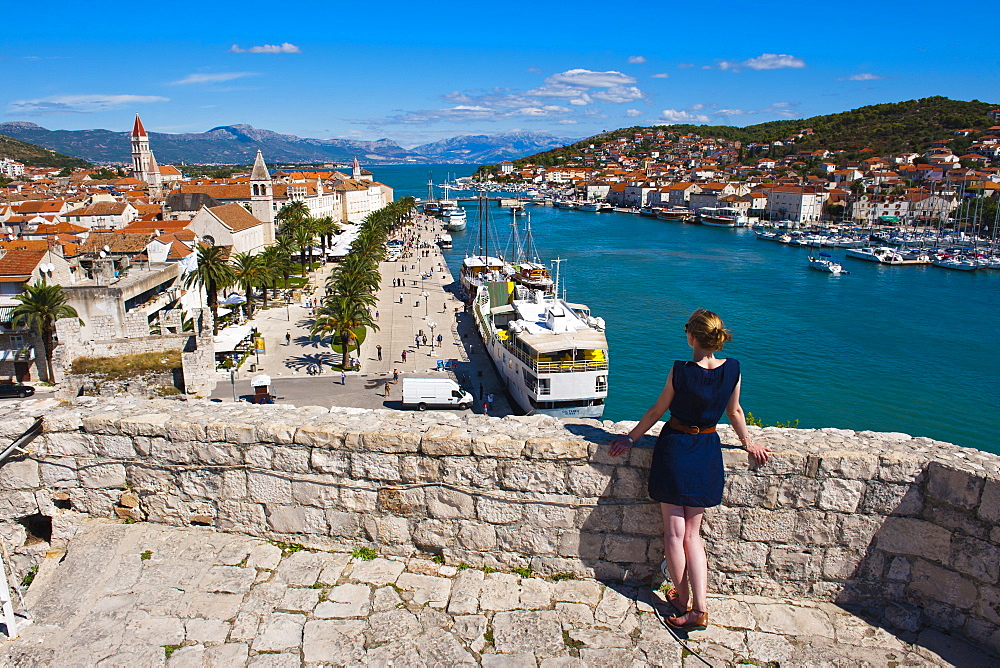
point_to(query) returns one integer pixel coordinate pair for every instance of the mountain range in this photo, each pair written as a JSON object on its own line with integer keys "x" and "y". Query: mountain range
{"x": 238, "y": 144}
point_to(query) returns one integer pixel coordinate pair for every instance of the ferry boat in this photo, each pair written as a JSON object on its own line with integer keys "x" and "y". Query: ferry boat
{"x": 551, "y": 355}
{"x": 648, "y": 212}
{"x": 455, "y": 220}
{"x": 676, "y": 214}
{"x": 445, "y": 241}
{"x": 720, "y": 217}
{"x": 886, "y": 255}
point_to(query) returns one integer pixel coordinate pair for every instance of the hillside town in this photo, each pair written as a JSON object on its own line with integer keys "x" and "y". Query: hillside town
{"x": 122, "y": 248}
{"x": 657, "y": 168}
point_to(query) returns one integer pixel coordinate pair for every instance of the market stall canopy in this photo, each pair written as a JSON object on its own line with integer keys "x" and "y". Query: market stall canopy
{"x": 260, "y": 380}
{"x": 234, "y": 298}
{"x": 230, "y": 337}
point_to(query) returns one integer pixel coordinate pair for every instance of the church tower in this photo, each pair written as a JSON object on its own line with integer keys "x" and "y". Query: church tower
{"x": 262, "y": 195}
{"x": 356, "y": 171}
{"x": 144, "y": 165}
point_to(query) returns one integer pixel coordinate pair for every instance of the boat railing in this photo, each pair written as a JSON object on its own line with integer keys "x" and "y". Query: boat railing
{"x": 561, "y": 366}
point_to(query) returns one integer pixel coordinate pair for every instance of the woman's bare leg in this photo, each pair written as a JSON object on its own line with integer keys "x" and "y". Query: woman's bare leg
{"x": 674, "y": 532}
{"x": 694, "y": 551}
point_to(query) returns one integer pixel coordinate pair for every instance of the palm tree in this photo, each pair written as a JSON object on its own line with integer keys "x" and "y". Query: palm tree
{"x": 292, "y": 213}
{"x": 304, "y": 237}
{"x": 326, "y": 228}
{"x": 214, "y": 273}
{"x": 41, "y": 305}
{"x": 248, "y": 273}
{"x": 341, "y": 317}
{"x": 274, "y": 264}
{"x": 285, "y": 245}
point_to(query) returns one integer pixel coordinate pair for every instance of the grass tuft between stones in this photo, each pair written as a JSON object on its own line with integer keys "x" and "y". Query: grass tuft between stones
{"x": 29, "y": 577}
{"x": 170, "y": 649}
{"x": 438, "y": 559}
{"x": 287, "y": 548}
{"x": 488, "y": 637}
{"x": 364, "y": 553}
{"x": 462, "y": 566}
{"x": 559, "y": 577}
{"x": 570, "y": 642}
{"x": 146, "y": 555}
{"x": 523, "y": 572}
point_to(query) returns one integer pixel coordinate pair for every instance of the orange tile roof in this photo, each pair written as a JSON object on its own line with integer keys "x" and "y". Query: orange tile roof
{"x": 234, "y": 216}
{"x": 17, "y": 265}
{"x": 44, "y": 206}
{"x": 58, "y": 228}
{"x": 117, "y": 242}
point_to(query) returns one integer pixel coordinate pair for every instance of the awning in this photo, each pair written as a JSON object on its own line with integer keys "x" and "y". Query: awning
{"x": 229, "y": 338}
{"x": 6, "y": 313}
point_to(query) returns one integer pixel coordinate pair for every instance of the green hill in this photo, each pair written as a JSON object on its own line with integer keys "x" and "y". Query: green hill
{"x": 897, "y": 127}
{"x": 36, "y": 156}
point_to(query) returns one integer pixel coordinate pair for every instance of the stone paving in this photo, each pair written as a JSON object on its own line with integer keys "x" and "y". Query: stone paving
{"x": 150, "y": 595}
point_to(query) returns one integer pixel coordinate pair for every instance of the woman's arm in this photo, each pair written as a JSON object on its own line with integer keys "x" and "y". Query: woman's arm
{"x": 655, "y": 412}
{"x": 739, "y": 422}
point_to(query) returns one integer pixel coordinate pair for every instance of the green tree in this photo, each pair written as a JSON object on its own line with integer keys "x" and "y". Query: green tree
{"x": 41, "y": 305}
{"x": 292, "y": 214}
{"x": 326, "y": 228}
{"x": 304, "y": 237}
{"x": 214, "y": 273}
{"x": 275, "y": 264}
{"x": 249, "y": 272}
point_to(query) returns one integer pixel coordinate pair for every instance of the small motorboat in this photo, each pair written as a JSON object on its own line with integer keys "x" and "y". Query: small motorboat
{"x": 825, "y": 263}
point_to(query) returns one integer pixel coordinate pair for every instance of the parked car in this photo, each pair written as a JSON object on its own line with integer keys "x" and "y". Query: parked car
{"x": 16, "y": 390}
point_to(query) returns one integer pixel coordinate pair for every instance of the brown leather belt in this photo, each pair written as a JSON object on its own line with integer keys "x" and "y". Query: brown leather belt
{"x": 676, "y": 425}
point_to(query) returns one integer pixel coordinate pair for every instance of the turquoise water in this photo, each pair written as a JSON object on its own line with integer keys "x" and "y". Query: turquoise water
{"x": 908, "y": 349}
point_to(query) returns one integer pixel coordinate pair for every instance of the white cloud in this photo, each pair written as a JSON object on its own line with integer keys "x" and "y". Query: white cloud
{"x": 284, "y": 47}
{"x": 697, "y": 107}
{"x": 685, "y": 66}
{"x": 730, "y": 112}
{"x": 765, "y": 61}
{"x": 679, "y": 116}
{"x": 567, "y": 121}
{"x": 590, "y": 79}
{"x": 79, "y": 104}
{"x": 633, "y": 113}
{"x": 618, "y": 94}
{"x": 661, "y": 75}
{"x": 863, "y": 76}
{"x": 215, "y": 77}
{"x": 636, "y": 60}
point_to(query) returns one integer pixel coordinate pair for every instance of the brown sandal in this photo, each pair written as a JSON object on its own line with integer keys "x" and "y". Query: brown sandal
{"x": 699, "y": 623}
{"x": 674, "y": 600}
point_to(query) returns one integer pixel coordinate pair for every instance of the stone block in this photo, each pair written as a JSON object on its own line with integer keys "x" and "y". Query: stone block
{"x": 625, "y": 549}
{"x": 101, "y": 423}
{"x": 614, "y": 606}
{"x": 555, "y": 448}
{"x": 201, "y": 484}
{"x": 533, "y": 476}
{"x": 15, "y": 505}
{"x": 497, "y": 445}
{"x": 785, "y": 462}
{"x": 343, "y": 525}
{"x": 240, "y": 516}
{"x": 891, "y": 499}
{"x": 744, "y": 490}
{"x": 234, "y": 485}
{"x": 279, "y": 631}
{"x": 575, "y": 615}
{"x": 989, "y": 506}
{"x": 647, "y": 520}
{"x": 767, "y": 525}
{"x": 286, "y": 458}
{"x": 630, "y": 483}
{"x": 497, "y": 511}
{"x": 346, "y": 600}
{"x": 218, "y": 454}
{"x": 470, "y": 472}
{"x": 767, "y": 647}
{"x": 590, "y": 479}
{"x": 587, "y": 592}
{"x": 375, "y": 466}
{"x": 795, "y": 563}
{"x": 150, "y": 424}
{"x": 318, "y": 494}
{"x": 841, "y": 495}
{"x": 427, "y": 590}
{"x": 527, "y": 631}
{"x": 336, "y": 462}
{"x": 941, "y": 584}
{"x": 99, "y": 476}
{"x": 419, "y": 469}
{"x": 601, "y": 518}
{"x": 334, "y": 642}
{"x": 394, "y": 441}
{"x": 23, "y": 474}
{"x": 112, "y": 445}
{"x": 387, "y": 529}
{"x": 499, "y": 591}
{"x": 848, "y": 464}
{"x": 271, "y": 431}
{"x": 954, "y": 487}
{"x": 475, "y": 536}
{"x": 296, "y": 519}
{"x": 557, "y": 514}
{"x": 957, "y": 521}
{"x": 792, "y": 620}
{"x": 813, "y": 527}
{"x": 434, "y": 535}
{"x": 791, "y": 492}
{"x": 443, "y": 441}
{"x": 320, "y": 436}
{"x": 59, "y": 473}
{"x": 445, "y": 503}
{"x": 527, "y": 540}
{"x": 976, "y": 558}
{"x": 270, "y": 488}
{"x": 68, "y": 445}
{"x": 859, "y": 530}
{"x": 910, "y": 536}
{"x": 841, "y": 563}
{"x": 359, "y": 500}
{"x": 403, "y": 501}
{"x": 465, "y": 593}
{"x": 241, "y": 433}
{"x": 376, "y": 572}
{"x": 579, "y": 544}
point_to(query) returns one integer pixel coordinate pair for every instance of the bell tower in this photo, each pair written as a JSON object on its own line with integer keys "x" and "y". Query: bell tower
{"x": 262, "y": 195}
{"x": 144, "y": 165}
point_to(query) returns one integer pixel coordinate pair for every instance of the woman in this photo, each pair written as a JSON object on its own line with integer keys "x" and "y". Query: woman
{"x": 686, "y": 475}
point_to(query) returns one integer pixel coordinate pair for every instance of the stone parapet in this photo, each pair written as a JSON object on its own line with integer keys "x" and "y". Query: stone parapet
{"x": 878, "y": 521}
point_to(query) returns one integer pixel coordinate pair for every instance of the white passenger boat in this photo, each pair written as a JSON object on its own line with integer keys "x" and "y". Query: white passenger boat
{"x": 721, "y": 217}
{"x": 445, "y": 241}
{"x": 589, "y": 206}
{"x": 455, "y": 220}
{"x": 956, "y": 262}
{"x": 551, "y": 355}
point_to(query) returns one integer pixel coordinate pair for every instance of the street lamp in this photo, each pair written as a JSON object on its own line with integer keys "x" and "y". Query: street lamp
{"x": 432, "y": 325}
{"x": 425, "y": 295}
{"x": 232, "y": 381}
{"x": 288, "y": 300}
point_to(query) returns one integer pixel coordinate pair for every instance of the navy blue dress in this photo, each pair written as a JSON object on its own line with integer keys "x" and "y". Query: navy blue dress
{"x": 687, "y": 468}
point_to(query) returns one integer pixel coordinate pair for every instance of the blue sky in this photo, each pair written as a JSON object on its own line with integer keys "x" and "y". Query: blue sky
{"x": 417, "y": 72}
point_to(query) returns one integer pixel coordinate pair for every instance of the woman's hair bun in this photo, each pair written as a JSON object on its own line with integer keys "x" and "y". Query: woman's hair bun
{"x": 708, "y": 330}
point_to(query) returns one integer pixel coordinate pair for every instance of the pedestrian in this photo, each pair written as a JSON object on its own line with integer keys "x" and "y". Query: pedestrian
{"x": 403, "y": 355}
{"x": 440, "y": 339}
{"x": 416, "y": 339}
{"x": 378, "y": 349}
{"x": 395, "y": 376}
{"x": 387, "y": 390}
{"x": 343, "y": 378}
{"x": 288, "y": 338}
{"x": 489, "y": 400}
{"x": 376, "y": 316}
{"x": 424, "y": 339}
{"x": 687, "y": 475}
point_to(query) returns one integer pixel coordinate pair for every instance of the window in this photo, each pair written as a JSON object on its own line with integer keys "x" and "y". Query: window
{"x": 543, "y": 386}
{"x": 602, "y": 384}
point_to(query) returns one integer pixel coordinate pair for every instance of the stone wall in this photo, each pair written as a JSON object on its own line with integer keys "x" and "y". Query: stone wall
{"x": 900, "y": 526}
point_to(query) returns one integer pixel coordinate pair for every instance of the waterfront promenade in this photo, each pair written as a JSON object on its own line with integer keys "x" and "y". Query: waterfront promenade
{"x": 403, "y": 312}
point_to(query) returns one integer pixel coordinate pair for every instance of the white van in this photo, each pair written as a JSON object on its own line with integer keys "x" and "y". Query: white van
{"x": 424, "y": 393}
